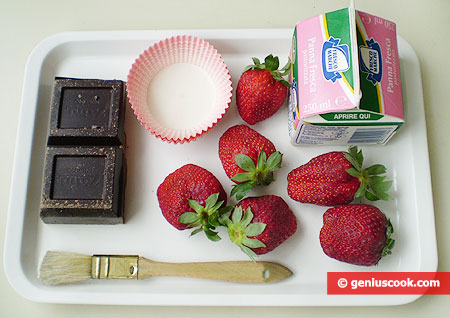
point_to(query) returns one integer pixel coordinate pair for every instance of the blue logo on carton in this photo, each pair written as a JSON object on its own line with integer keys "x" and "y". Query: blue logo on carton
{"x": 293, "y": 98}
{"x": 370, "y": 61}
{"x": 335, "y": 59}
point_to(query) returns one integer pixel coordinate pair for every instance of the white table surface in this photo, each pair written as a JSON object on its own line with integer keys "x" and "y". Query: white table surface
{"x": 424, "y": 24}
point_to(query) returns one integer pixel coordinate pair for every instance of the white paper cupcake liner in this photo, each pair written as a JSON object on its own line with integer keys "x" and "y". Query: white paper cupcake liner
{"x": 179, "y": 88}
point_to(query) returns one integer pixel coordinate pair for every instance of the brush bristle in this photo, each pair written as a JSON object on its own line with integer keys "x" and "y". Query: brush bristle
{"x": 60, "y": 268}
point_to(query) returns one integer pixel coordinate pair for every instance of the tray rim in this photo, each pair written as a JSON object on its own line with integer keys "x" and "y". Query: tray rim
{"x": 23, "y": 153}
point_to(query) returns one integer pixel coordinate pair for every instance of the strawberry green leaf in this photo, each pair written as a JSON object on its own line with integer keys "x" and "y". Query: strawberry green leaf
{"x": 243, "y": 177}
{"x": 255, "y": 229}
{"x": 379, "y": 187}
{"x": 377, "y": 183}
{"x": 198, "y": 230}
{"x": 225, "y": 210}
{"x": 357, "y": 156}
{"x": 248, "y": 216}
{"x": 387, "y": 250}
{"x": 211, "y": 235}
{"x": 390, "y": 242}
{"x": 249, "y": 252}
{"x": 213, "y": 222}
{"x": 288, "y": 65}
{"x": 353, "y": 161}
{"x": 277, "y": 77}
{"x": 361, "y": 190}
{"x": 256, "y": 61}
{"x": 370, "y": 196}
{"x": 285, "y": 72}
{"x": 196, "y": 206}
{"x": 360, "y": 158}
{"x": 241, "y": 190}
{"x": 217, "y": 206}
{"x": 384, "y": 196}
{"x": 247, "y": 68}
{"x": 353, "y": 172}
{"x": 271, "y": 62}
{"x": 214, "y": 238}
{"x": 274, "y": 161}
{"x": 285, "y": 83}
{"x": 266, "y": 178}
{"x": 211, "y": 201}
{"x": 245, "y": 162}
{"x": 237, "y": 215}
{"x": 389, "y": 228}
{"x": 189, "y": 218}
{"x": 252, "y": 243}
{"x": 265, "y": 168}
{"x": 225, "y": 220}
{"x": 353, "y": 150}
{"x": 375, "y": 170}
{"x": 262, "y": 158}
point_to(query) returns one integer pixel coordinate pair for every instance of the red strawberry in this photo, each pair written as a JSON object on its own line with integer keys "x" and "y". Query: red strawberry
{"x": 336, "y": 178}
{"x": 260, "y": 224}
{"x": 261, "y": 90}
{"x": 358, "y": 234}
{"x": 188, "y": 197}
{"x": 243, "y": 153}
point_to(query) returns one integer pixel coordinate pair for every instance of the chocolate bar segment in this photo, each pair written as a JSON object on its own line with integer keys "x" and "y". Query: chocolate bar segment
{"x": 76, "y": 177}
{"x": 87, "y": 112}
{"x": 83, "y": 185}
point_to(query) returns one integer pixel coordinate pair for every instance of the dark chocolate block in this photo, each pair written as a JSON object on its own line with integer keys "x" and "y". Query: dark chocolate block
{"x": 83, "y": 185}
{"x": 87, "y": 112}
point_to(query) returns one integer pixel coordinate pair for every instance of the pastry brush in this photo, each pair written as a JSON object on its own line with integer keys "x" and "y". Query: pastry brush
{"x": 59, "y": 268}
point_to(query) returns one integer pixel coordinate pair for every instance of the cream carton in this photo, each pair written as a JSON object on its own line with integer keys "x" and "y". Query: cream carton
{"x": 345, "y": 80}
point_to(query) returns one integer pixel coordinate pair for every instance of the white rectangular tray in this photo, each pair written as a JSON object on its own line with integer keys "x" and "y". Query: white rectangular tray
{"x": 109, "y": 55}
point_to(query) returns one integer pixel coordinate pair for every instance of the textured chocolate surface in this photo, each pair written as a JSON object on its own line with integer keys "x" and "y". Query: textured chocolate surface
{"x": 78, "y": 177}
{"x": 83, "y": 185}
{"x": 87, "y": 112}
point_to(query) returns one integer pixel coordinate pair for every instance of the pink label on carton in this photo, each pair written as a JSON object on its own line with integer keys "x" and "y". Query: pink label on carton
{"x": 383, "y": 32}
{"x": 316, "y": 94}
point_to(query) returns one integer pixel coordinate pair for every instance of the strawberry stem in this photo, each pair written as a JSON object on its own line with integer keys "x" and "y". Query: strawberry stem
{"x": 390, "y": 242}
{"x": 271, "y": 63}
{"x": 240, "y": 231}
{"x": 373, "y": 186}
{"x": 205, "y": 218}
{"x": 259, "y": 174}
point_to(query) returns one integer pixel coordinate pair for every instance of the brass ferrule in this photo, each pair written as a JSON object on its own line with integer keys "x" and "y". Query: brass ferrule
{"x": 115, "y": 266}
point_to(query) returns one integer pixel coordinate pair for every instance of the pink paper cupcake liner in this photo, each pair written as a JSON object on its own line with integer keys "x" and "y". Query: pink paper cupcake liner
{"x": 173, "y": 55}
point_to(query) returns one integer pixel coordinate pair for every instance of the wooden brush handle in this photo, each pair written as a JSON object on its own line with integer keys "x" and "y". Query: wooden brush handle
{"x": 239, "y": 271}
